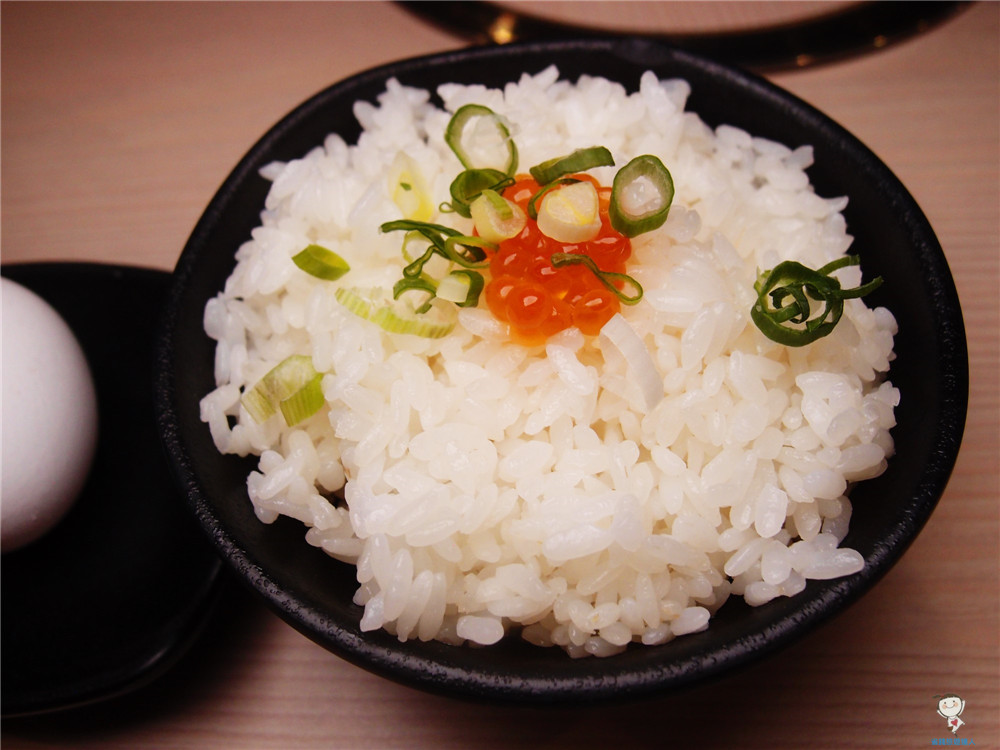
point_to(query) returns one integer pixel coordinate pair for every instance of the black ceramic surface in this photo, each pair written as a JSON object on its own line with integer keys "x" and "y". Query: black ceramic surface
{"x": 831, "y": 34}
{"x": 313, "y": 592}
{"x": 118, "y": 590}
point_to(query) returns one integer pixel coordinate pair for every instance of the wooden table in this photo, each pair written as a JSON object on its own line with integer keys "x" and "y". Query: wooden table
{"x": 119, "y": 122}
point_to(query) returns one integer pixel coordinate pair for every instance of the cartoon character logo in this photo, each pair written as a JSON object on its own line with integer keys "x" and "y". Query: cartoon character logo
{"x": 950, "y": 706}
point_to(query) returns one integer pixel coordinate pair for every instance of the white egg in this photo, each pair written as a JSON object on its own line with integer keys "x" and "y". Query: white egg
{"x": 49, "y": 417}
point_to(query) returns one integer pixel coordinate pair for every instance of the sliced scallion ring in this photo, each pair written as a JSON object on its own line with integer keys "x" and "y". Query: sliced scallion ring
{"x": 473, "y": 256}
{"x": 413, "y": 240}
{"x": 641, "y": 196}
{"x": 432, "y": 232}
{"x": 464, "y": 250}
{"x": 398, "y": 316}
{"x": 305, "y": 402}
{"x": 470, "y": 184}
{"x": 324, "y": 264}
{"x": 480, "y": 139}
{"x": 579, "y": 161}
{"x": 783, "y": 312}
{"x": 496, "y": 218}
{"x": 293, "y": 386}
{"x": 503, "y": 208}
{"x": 408, "y": 188}
{"x": 462, "y": 287}
{"x": 428, "y": 263}
{"x": 415, "y": 268}
{"x": 415, "y": 285}
{"x": 435, "y": 234}
{"x": 571, "y": 214}
{"x": 533, "y": 203}
{"x": 437, "y": 322}
{"x": 608, "y": 278}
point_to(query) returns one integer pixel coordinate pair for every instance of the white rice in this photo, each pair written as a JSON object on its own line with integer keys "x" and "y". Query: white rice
{"x": 493, "y": 488}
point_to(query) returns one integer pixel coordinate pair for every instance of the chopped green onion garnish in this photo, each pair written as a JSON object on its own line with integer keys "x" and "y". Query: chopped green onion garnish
{"x": 501, "y": 207}
{"x": 303, "y": 403}
{"x": 480, "y": 139}
{"x": 324, "y": 264}
{"x": 415, "y": 268}
{"x": 399, "y": 316}
{"x": 496, "y": 218}
{"x": 579, "y": 161}
{"x": 293, "y": 386}
{"x": 427, "y": 262}
{"x": 415, "y": 285}
{"x": 471, "y": 183}
{"x": 783, "y": 312}
{"x": 641, "y": 196}
{"x": 571, "y": 214}
{"x": 433, "y": 232}
{"x": 605, "y": 277}
{"x": 436, "y": 323}
{"x": 533, "y": 203}
{"x": 446, "y": 242}
{"x": 474, "y": 257}
{"x": 408, "y": 188}
{"x": 412, "y": 238}
{"x": 462, "y": 287}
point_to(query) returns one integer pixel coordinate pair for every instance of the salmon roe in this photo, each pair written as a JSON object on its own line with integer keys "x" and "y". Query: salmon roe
{"x": 538, "y": 299}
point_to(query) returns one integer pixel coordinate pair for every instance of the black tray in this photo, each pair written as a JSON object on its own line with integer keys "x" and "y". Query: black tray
{"x": 121, "y": 587}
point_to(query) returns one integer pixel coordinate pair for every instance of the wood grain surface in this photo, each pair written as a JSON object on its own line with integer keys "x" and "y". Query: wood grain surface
{"x": 119, "y": 121}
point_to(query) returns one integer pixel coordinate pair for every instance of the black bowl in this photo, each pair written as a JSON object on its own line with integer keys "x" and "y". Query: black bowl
{"x": 313, "y": 593}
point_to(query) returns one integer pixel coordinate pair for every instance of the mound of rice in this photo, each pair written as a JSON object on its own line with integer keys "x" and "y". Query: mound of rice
{"x": 482, "y": 487}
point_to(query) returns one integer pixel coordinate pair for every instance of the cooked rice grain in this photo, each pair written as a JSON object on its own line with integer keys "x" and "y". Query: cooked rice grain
{"x": 487, "y": 487}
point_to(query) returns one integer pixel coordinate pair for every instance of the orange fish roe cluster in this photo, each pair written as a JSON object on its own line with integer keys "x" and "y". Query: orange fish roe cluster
{"x": 538, "y": 299}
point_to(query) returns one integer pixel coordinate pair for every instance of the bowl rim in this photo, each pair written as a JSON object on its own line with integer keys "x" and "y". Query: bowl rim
{"x": 445, "y": 675}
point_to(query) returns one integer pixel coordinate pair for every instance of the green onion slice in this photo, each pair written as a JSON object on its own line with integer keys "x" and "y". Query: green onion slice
{"x": 466, "y": 251}
{"x": 435, "y": 234}
{"x": 480, "y": 139}
{"x": 412, "y": 241}
{"x": 415, "y": 285}
{"x": 432, "y": 232}
{"x": 783, "y": 310}
{"x": 608, "y": 278}
{"x": 293, "y": 386}
{"x": 579, "y": 161}
{"x": 498, "y": 204}
{"x": 399, "y": 316}
{"x": 415, "y": 268}
{"x": 472, "y": 254}
{"x": 437, "y": 322}
{"x": 324, "y": 264}
{"x": 429, "y": 263}
{"x": 537, "y": 197}
{"x": 462, "y": 287}
{"x": 471, "y": 183}
{"x": 641, "y": 195}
